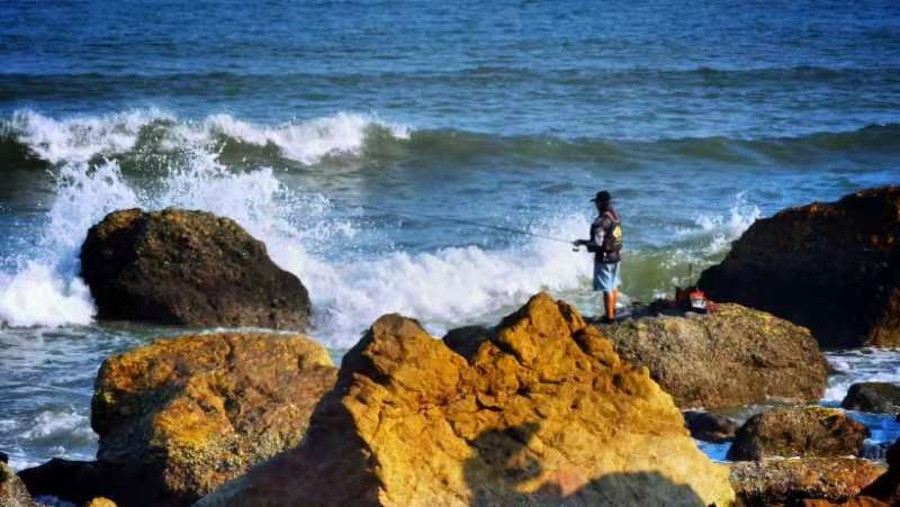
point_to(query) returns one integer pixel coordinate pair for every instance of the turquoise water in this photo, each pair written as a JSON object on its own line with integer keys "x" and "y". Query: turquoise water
{"x": 344, "y": 135}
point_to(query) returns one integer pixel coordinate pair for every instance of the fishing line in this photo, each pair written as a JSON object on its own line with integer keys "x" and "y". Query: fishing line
{"x": 412, "y": 214}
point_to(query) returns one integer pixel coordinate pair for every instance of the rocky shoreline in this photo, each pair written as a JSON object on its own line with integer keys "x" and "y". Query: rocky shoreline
{"x": 545, "y": 408}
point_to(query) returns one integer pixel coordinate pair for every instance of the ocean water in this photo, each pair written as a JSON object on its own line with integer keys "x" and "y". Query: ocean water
{"x": 386, "y": 152}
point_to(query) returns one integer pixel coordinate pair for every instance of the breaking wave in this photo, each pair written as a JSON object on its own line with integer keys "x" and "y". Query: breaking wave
{"x": 28, "y": 138}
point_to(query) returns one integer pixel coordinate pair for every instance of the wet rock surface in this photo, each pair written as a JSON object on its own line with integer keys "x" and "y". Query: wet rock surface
{"x": 832, "y": 267}
{"x": 710, "y": 427}
{"x": 805, "y": 431}
{"x": 881, "y": 397}
{"x": 189, "y": 268}
{"x": 735, "y": 356}
{"x": 791, "y": 481}
{"x": 543, "y": 412}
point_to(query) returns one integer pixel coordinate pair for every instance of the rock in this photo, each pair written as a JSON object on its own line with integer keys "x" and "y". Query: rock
{"x": 806, "y": 431}
{"x": 709, "y": 427}
{"x": 887, "y": 487}
{"x": 466, "y": 341}
{"x": 735, "y": 356}
{"x": 873, "y": 397}
{"x": 73, "y": 481}
{"x": 101, "y": 502}
{"x": 188, "y": 268}
{"x": 13, "y": 492}
{"x": 4, "y": 458}
{"x": 858, "y": 501}
{"x": 189, "y": 414}
{"x": 790, "y": 481}
{"x": 834, "y": 268}
{"x": 543, "y": 413}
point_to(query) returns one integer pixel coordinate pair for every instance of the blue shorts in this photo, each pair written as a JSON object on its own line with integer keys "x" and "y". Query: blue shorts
{"x": 606, "y": 276}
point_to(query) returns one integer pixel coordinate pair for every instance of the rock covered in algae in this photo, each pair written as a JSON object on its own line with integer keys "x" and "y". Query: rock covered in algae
{"x": 804, "y": 431}
{"x": 543, "y": 413}
{"x": 790, "y": 481}
{"x": 735, "y": 356}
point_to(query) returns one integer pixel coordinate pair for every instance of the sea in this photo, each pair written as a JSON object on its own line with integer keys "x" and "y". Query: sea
{"x": 429, "y": 158}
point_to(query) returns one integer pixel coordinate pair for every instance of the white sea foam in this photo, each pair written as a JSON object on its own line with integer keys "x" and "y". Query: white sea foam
{"x": 305, "y": 141}
{"x": 79, "y": 139}
{"x": 440, "y": 288}
{"x": 726, "y": 228}
{"x": 860, "y": 365}
{"x": 83, "y": 138}
{"x": 38, "y": 295}
{"x": 60, "y": 427}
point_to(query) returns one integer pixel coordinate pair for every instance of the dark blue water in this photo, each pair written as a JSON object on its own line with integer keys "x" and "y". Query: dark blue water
{"x": 345, "y": 134}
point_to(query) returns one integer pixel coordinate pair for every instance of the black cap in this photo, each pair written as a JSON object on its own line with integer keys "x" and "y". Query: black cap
{"x": 602, "y": 196}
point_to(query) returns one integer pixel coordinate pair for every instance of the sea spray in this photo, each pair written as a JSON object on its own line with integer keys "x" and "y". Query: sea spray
{"x": 444, "y": 287}
{"x": 143, "y": 131}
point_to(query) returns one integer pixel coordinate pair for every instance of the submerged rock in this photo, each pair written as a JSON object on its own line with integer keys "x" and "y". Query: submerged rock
{"x": 188, "y": 268}
{"x": 880, "y": 397}
{"x": 806, "y": 431}
{"x": 542, "y": 413}
{"x": 182, "y": 416}
{"x": 13, "y": 492}
{"x": 735, "y": 356}
{"x": 790, "y": 481}
{"x": 834, "y": 268}
{"x": 710, "y": 427}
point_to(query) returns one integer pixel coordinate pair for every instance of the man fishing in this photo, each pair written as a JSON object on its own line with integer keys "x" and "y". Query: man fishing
{"x": 606, "y": 244}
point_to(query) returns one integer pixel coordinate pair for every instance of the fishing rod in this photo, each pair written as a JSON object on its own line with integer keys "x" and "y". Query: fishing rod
{"x": 412, "y": 214}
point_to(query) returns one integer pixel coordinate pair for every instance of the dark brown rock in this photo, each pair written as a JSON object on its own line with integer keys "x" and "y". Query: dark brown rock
{"x": 792, "y": 481}
{"x": 880, "y": 397}
{"x": 182, "y": 416}
{"x": 887, "y": 487}
{"x": 834, "y": 268}
{"x": 710, "y": 427}
{"x": 188, "y": 268}
{"x": 466, "y": 341}
{"x": 735, "y": 356}
{"x": 73, "y": 481}
{"x": 806, "y": 431}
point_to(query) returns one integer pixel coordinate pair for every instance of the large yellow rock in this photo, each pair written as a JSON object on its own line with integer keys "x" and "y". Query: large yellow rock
{"x": 183, "y": 416}
{"x": 542, "y": 413}
{"x": 12, "y": 491}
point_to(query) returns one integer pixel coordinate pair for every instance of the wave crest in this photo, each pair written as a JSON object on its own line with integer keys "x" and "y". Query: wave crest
{"x": 83, "y": 139}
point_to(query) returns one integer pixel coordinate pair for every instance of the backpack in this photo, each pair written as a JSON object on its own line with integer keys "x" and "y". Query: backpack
{"x": 612, "y": 239}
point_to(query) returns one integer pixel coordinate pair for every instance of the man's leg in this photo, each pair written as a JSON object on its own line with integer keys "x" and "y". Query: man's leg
{"x": 609, "y": 301}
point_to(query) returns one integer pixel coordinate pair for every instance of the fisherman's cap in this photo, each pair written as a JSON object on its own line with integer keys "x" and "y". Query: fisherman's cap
{"x": 602, "y": 196}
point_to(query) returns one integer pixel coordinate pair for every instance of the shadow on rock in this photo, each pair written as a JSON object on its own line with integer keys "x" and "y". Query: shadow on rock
{"x": 506, "y": 470}
{"x": 296, "y": 477}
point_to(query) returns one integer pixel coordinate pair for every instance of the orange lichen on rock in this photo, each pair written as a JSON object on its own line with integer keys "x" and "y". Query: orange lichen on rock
{"x": 202, "y": 409}
{"x": 542, "y": 412}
